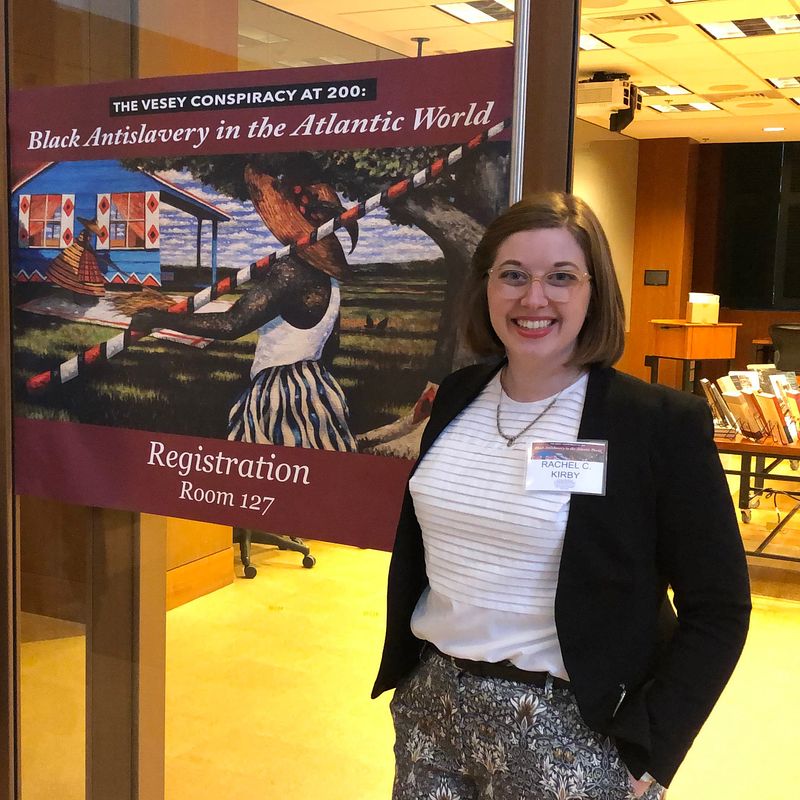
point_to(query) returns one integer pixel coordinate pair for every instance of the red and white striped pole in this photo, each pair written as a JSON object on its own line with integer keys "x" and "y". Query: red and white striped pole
{"x": 100, "y": 353}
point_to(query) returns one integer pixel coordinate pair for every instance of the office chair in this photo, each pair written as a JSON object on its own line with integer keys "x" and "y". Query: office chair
{"x": 786, "y": 341}
{"x": 244, "y": 536}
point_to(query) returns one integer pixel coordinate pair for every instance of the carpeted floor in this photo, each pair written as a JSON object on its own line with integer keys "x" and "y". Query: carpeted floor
{"x": 268, "y": 695}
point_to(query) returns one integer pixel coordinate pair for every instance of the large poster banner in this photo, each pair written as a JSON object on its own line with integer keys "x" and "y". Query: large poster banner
{"x": 235, "y": 295}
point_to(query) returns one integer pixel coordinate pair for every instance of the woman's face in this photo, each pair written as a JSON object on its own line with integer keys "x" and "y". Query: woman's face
{"x": 539, "y": 320}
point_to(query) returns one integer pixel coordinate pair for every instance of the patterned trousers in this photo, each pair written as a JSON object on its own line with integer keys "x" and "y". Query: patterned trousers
{"x": 462, "y": 737}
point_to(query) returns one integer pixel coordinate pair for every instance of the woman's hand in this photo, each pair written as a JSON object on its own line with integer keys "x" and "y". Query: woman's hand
{"x": 639, "y": 786}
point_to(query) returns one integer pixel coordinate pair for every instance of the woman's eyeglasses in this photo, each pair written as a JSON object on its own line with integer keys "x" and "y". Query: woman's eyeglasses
{"x": 557, "y": 285}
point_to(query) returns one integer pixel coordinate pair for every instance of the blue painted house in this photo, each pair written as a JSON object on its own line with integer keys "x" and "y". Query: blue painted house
{"x": 47, "y": 204}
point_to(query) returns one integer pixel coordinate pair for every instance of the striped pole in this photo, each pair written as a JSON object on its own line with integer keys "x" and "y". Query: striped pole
{"x": 100, "y": 353}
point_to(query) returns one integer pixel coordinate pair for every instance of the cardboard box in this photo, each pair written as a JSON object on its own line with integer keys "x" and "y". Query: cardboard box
{"x": 703, "y": 307}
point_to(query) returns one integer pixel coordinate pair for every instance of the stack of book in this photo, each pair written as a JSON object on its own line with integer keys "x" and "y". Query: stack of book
{"x": 760, "y": 403}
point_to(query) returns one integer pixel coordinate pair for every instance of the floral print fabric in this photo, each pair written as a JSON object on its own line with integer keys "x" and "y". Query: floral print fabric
{"x": 463, "y": 737}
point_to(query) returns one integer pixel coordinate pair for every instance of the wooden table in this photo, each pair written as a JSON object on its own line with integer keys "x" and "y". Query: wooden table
{"x": 752, "y": 477}
{"x": 690, "y": 343}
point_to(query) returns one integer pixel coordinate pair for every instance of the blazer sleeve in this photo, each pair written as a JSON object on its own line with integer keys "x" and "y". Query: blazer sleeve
{"x": 701, "y": 555}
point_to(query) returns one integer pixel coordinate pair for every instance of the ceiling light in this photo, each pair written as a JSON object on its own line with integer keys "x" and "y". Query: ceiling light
{"x": 786, "y": 23}
{"x": 773, "y": 130}
{"x": 509, "y": 4}
{"x": 298, "y": 63}
{"x": 655, "y": 91}
{"x": 589, "y": 42}
{"x": 722, "y": 30}
{"x": 465, "y": 12}
{"x": 785, "y": 83}
{"x": 685, "y": 107}
{"x": 260, "y": 35}
{"x": 795, "y": 100}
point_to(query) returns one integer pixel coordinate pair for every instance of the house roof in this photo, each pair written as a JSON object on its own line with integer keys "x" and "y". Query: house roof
{"x": 170, "y": 193}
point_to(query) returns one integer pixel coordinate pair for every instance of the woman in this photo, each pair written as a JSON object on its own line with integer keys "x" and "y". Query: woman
{"x": 529, "y": 633}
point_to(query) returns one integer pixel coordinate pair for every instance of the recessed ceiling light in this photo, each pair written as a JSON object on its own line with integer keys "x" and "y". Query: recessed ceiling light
{"x": 723, "y": 30}
{"x": 785, "y": 23}
{"x": 785, "y": 83}
{"x": 298, "y": 63}
{"x": 258, "y": 35}
{"x": 773, "y": 130}
{"x": 685, "y": 107}
{"x": 466, "y": 12}
{"x": 649, "y": 91}
{"x": 754, "y": 26}
{"x": 589, "y": 42}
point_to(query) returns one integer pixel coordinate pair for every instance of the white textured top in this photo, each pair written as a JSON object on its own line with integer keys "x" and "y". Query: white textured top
{"x": 280, "y": 343}
{"x": 493, "y": 548}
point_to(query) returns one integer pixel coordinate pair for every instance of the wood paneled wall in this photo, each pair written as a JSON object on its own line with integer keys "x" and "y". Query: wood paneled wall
{"x": 187, "y": 37}
{"x": 755, "y": 325}
{"x": 707, "y": 219}
{"x": 665, "y": 224}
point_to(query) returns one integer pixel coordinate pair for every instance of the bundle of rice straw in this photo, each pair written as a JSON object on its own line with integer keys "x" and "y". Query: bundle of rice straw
{"x": 129, "y": 304}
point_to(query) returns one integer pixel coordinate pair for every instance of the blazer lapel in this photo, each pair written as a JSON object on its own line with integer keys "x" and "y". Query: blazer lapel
{"x": 583, "y": 508}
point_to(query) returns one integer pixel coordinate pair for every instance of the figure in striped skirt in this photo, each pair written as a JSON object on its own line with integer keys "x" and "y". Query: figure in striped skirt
{"x": 292, "y": 400}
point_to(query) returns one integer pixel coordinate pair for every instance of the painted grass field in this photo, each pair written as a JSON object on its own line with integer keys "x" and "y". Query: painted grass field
{"x": 172, "y": 388}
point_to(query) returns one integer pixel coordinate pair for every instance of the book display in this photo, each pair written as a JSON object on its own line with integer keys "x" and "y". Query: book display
{"x": 765, "y": 405}
{"x": 761, "y": 403}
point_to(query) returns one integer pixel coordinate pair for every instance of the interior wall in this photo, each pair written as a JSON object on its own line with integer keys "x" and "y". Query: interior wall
{"x": 186, "y": 37}
{"x": 664, "y": 240}
{"x": 605, "y": 175}
{"x": 54, "y": 44}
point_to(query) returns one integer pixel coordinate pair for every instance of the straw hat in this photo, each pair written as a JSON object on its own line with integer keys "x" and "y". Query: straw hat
{"x": 294, "y": 213}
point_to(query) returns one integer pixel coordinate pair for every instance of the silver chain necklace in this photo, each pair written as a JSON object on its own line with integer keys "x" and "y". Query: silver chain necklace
{"x": 510, "y": 440}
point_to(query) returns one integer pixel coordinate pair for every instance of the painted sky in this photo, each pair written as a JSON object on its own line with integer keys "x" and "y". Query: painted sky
{"x": 245, "y": 238}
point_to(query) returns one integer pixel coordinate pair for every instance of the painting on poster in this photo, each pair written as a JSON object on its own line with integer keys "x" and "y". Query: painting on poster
{"x": 334, "y": 343}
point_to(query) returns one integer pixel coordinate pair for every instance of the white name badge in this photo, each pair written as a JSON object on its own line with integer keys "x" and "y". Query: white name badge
{"x": 577, "y": 467}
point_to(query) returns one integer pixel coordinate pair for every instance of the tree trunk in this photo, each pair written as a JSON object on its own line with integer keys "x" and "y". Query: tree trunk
{"x": 457, "y": 234}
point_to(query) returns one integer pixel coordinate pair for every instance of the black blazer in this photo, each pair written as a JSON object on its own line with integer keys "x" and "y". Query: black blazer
{"x": 640, "y": 674}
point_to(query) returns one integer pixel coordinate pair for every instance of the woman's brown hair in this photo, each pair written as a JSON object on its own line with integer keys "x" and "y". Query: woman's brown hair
{"x": 602, "y": 337}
